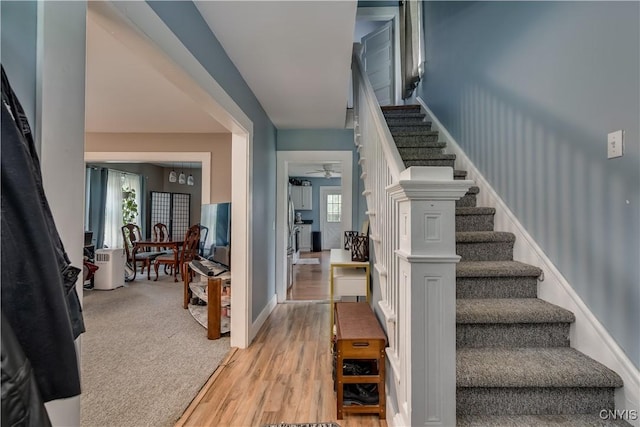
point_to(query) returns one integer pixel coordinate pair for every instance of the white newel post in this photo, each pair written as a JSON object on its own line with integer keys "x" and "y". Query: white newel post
{"x": 425, "y": 197}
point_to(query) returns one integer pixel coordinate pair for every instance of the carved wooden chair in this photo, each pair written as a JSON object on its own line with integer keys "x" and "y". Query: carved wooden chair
{"x": 161, "y": 234}
{"x": 130, "y": 235}
{"x": 188, "y": 252}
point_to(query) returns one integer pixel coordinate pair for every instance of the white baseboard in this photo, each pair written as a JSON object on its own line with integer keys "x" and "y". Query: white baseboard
{"x": 395, "y": 419}
{"x": 255, "y": 326}
{"x": 587, "y": 333}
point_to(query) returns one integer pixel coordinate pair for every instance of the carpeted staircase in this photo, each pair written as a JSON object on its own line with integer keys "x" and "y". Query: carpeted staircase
{"x": 515, "y": 366}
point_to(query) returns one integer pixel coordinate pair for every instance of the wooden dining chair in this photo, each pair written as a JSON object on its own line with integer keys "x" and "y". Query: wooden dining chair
{"x": 161, "y": 234}
{"x": 188, "y": 252}
{"x": 131, "y": 234}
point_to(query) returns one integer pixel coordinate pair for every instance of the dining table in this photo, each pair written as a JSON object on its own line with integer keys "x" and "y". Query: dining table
{"x": 162, "y": 247}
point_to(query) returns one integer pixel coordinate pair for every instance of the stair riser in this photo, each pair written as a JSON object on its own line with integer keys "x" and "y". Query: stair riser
{"x": 459, "y": 176}
{"x": 432, "y": 145}
{"x": 401, "y": 111}
{"x": 424, "y": 127}
{"x": 512, "y": 335}
{"x": 427, "y": 162}
{"x": 474, "y": 222}
{"x": 398, "y": 120}
{"x": 420, "y": 125}
{"x": 403, "y": 140}
{"x": 417, "y": 153}
{"x": 532, "y": 401}
{"x": 496, "y": 287}
{"x": 403, "y": 115}
{"x": 466, "y": 201}
{"x": 485, "y": 251}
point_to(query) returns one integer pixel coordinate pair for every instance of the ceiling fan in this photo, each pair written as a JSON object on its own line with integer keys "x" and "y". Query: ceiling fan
{"x": 327, "y": 170}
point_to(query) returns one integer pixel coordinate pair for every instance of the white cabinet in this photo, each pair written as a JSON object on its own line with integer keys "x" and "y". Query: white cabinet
{"x": 305, "y": 237}
{"x": 301, "y": 197}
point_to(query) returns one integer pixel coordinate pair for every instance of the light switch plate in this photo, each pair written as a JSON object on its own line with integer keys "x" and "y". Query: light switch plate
{"x": 614, "y": 144}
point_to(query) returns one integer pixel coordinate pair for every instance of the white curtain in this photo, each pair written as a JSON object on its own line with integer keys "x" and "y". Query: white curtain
{"x": 113, "y": 211}
{"x": 116, "y": 181}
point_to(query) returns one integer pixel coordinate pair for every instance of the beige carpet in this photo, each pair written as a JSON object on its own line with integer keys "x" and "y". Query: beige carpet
{"x": 144, "y": 358}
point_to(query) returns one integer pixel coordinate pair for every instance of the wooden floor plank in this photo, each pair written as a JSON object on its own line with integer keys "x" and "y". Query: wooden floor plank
{"x": 284, "y": 376}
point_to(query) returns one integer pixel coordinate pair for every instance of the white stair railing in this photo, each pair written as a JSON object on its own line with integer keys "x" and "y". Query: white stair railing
{"x": 412, "y": 222}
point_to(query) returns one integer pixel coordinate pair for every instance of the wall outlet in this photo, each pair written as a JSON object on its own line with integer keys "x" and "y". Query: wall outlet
{"x": 614, "y": 144}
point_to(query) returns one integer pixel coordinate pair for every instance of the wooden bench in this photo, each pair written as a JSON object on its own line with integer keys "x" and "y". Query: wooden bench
{"x": 359, "y": 337}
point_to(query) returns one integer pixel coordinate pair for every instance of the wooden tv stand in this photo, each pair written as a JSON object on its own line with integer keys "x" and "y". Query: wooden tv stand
{"x": 359, "y": 337}
{"x": 216, "y": 292}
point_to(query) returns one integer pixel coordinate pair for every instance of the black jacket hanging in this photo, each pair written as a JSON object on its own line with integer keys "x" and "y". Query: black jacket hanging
{"x": 38, "y": 298}
{"x": 21, "y": 401}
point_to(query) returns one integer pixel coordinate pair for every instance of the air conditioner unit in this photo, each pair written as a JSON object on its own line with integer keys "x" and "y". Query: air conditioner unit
{"x": 110, "y": 273}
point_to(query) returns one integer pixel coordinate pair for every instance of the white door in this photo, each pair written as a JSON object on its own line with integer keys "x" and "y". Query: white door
{"x": 331, "y": 217}
{"x": 377, "y": 57}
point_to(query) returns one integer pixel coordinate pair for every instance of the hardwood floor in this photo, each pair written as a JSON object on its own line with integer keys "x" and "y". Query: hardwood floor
{"x": 311, "y": 281}
{"x": 285, "y": 375}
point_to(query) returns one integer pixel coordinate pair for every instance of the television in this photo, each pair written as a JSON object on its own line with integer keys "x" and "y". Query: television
{"x": 215, "y": 219}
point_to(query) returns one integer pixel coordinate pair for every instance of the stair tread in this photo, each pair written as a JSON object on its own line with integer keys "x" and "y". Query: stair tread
{"x": 421, "y": 144}
{"x": 568, "y": 420}
{"x": 400, "y": 107}
{"x": 496, "y": 269}
{"x": 407, "y": 118}
{"x": 473, "y": 190}
{"x": 531, "y": 367}
{"x": 437, "y": 157}
{"x": 414, "y": 122}
{"x": 484, "y": 236}
{"x": 475, "y": 211}
{"x": 510, "y": 310}
{"x": 404, "y": 115}
{"x": 459, "y": 173}
{"x": 396, "y": 132}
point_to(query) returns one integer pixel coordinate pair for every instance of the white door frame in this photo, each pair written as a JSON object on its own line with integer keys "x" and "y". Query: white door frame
{"x": 164, "y": 50}
{"x": 283, "y": 160}
{"x": 323, "y": 210}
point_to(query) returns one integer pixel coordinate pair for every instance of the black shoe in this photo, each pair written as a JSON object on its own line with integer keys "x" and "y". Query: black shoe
{"x": 360, "y": 394}
{"x": 356, "y": 368}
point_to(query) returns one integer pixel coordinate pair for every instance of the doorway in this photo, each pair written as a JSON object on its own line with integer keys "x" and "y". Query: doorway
{"x": 330, "y": 217}
{"x": 284, "y": 160}
{"x": 137, "y": 27}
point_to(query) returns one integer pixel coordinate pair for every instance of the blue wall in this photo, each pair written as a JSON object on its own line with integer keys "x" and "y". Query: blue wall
{"x": 530, "y": 91}
{"x": 328, "y": 140}
{"x": 316, "y": 183}
{"x": 186, "y": 22}
{"x": 18, "y": 53}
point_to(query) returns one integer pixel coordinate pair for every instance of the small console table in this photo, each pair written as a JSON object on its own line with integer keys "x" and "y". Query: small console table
{"x": 346, "y": 278}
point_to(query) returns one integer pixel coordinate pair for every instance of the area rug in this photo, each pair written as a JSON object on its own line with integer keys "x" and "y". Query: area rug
{"x": 308, "y": 261}
{"x": 303, "y": 425}
{"x": 144, "y": 357}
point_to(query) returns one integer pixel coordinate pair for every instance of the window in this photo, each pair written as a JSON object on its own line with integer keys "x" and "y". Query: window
{"x": 122, "y": 202}
{"x": 334, "y": 207}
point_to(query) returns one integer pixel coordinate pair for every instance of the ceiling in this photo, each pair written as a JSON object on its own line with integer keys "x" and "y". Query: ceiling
{"x": 124, "y": 93}
{"x": 294, "y": 56}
